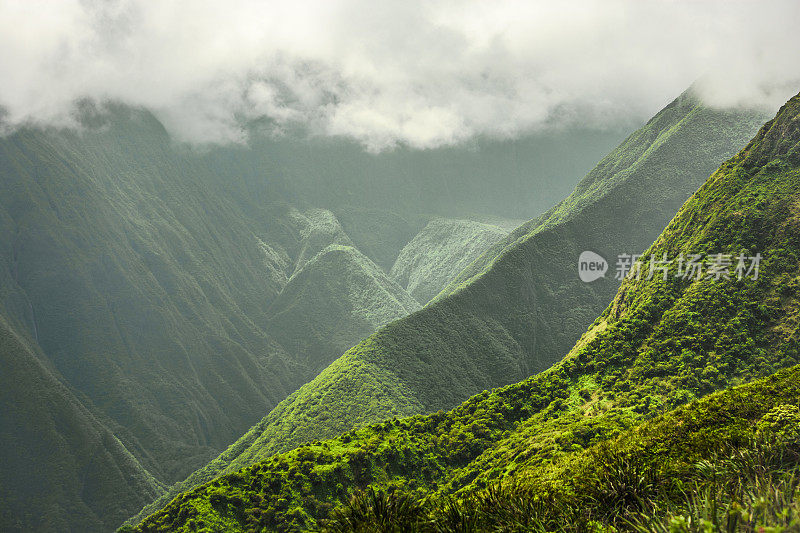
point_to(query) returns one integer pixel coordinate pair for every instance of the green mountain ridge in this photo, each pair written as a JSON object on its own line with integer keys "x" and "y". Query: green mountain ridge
{"x": 518, "y": 308}
{"x": 444, "y": 247}
{"x": 320, "y": 229}
{"x": 335, "y": 299}
{"x": 636, "y": 170}
{"x": 141, "y": 273}
{"x": 726, "y": 462}
{"x": 660, "y": 344}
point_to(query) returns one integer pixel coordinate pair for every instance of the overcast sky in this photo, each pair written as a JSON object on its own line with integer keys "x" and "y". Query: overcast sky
{"x": 424, "y": 74}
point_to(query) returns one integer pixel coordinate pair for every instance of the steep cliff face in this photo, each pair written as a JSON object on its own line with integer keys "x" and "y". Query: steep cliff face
{"x": 62, "y": 468}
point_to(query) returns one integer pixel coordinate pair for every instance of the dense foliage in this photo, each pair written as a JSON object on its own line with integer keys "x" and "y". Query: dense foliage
{"x": 434, "y": 257}
{"x": 728, "y": 462}
{"x": 518, "y": 309}
{"x": 161, "y": 285}
{"x": 662, "y": 343}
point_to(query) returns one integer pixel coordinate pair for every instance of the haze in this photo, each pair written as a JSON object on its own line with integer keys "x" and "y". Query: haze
{"x": 420, "y": 74}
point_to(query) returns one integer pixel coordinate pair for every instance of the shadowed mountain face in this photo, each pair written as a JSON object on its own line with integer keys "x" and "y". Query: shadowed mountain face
{"x": 518, "y": 308}
{"x": 142, "y": 286}
{"x": 169, "y": 290}
{"x": 62, "y": 470}
{"x": 662, "y": 343}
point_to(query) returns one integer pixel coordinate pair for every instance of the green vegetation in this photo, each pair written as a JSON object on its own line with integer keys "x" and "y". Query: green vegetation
{"x": 380, "y": 233}
{"x": 157, "y": 283}
{"x": 62, "y": 470}
{"x": 728, "y": 462}
{"x": 335, "y": 297}
{"x": 514, "y": 311}
{"x": 439, "y": 252}
{"x": 613, "y": 409}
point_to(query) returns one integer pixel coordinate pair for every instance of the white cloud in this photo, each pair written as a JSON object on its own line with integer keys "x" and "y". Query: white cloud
{"x": 420, "y": 73}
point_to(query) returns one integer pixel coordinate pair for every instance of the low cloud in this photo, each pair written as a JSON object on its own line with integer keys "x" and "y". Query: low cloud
{"x": 423, "y": 74}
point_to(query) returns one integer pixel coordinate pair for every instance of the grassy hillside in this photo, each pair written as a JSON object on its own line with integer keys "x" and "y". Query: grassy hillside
{"x": 524, "y": 305}
{"x": 660, "y": 344}
{"x": 439, "y": 252}
{"x": 729, "y": 449}
{"x": 62, "y": 469}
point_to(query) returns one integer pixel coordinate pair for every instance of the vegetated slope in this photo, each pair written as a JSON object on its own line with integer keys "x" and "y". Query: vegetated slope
{"x": 725, "y": 445}
{"x": 333, "y": 297}
{"x": 146, "y": 282}
{"x": 62, "y": 470}
{"x": 650, "y": 473}
{"x": 660, "y": 344}
{"x": 143, "y": 287}
{"x": 527, "y": 306}
{"x": 143, "y": 271}
{"x": 439, "y": 252}
{"x": 337, "y": 298}
{"x": 625, "y": 201}
{"x": 726, "y": 462}
{"x": 383, "y": 199}
{"x": 319, "y": 229}
{"x": 380, "y": 233}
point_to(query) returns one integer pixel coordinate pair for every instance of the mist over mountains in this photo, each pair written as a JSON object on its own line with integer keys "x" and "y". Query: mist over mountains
{"x": 311, "y": 266}
{"x": 353, "y": 69}
{"x": 647, "y": 402}
{"x": 517, "y": 308}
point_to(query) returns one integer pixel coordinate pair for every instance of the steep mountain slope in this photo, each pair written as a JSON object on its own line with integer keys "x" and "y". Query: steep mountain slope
{"x": 62, "y": 469}
{"x": 146, "y": 282}
{"x": 380, "y": 233}
{"x": 526, "y": 307}
{"x": 439, "y": 252}
{"x": 335, "y": 299}
{"x": 143, "y": 272}
{"x": 737, "y": 425}
{"x": 726, "y": 462}
{"x": 383, "y": 199}
{"x": 319, "y": 228}
{"x": 143, "y": 288}
{"x": 662, "y": 342}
